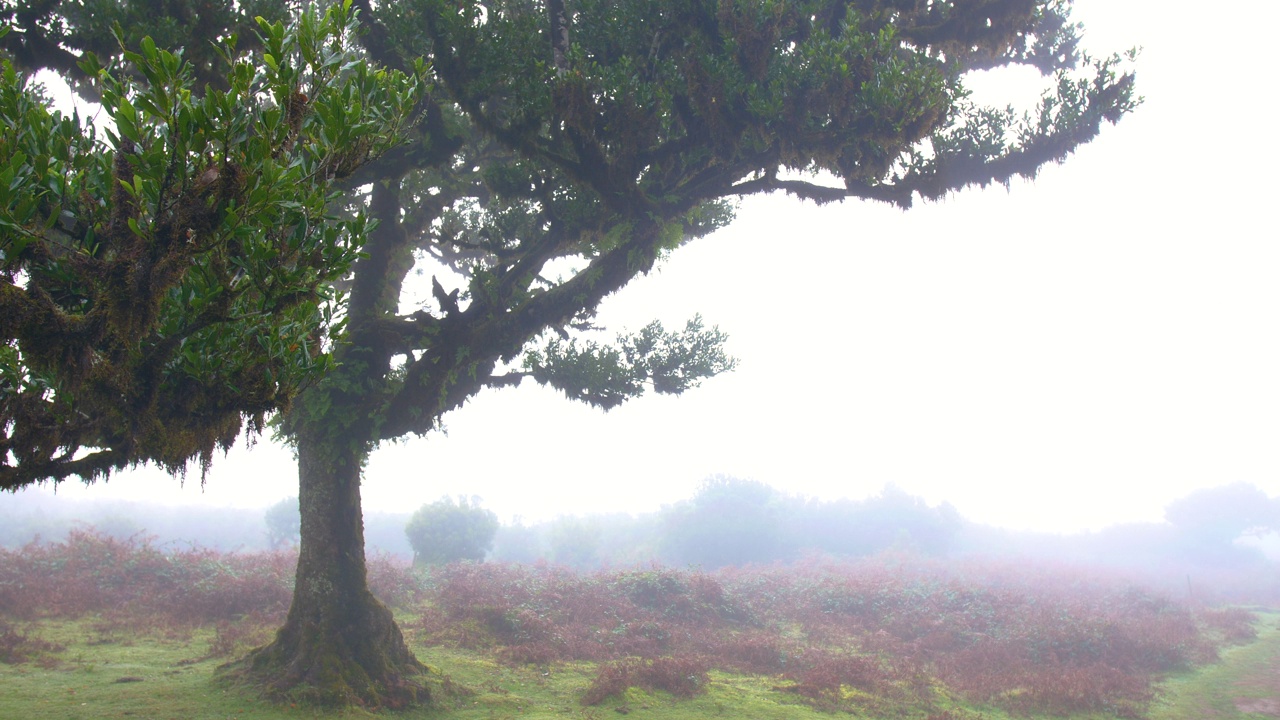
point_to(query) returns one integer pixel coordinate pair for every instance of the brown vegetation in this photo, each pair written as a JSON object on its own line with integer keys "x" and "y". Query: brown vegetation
{"x": 838, "y": 635}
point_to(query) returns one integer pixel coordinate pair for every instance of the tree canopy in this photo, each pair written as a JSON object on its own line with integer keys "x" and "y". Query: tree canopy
{"x": 729, "y": 522}
{"x": 209, "y": 260}
{"x": 283, "y": 523}
{"x": 159, "y": 288}
{"x": 1217, "y": 516}
{"x": 449, "y": 530}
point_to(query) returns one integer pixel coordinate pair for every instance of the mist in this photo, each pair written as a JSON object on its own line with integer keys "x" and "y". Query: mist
{"x": 1215, "y": 545}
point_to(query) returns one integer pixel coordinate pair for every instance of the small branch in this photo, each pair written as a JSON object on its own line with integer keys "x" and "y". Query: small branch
{"x": 510, "y": 379}
{"x": 448, "y": 301}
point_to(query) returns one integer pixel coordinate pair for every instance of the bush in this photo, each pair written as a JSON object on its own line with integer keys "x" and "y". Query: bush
{"x": 94, "y": 573}
{"x": 1049, "y": 639}
{"x": 1029, "y": 640}
{"x": 17, "y": 647}
{"x": 681, "y": 676}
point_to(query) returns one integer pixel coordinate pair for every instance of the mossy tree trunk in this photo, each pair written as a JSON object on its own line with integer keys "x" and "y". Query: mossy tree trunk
{"x": 340, "y": 645}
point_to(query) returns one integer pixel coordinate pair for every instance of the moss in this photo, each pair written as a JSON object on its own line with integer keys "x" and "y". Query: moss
{"x": 364, "y": 663}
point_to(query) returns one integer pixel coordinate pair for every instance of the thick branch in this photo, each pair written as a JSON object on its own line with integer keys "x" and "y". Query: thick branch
{"x": 32, "y": 51}
{"x": 559, "y": 35}
{"x": 444, "y": 377}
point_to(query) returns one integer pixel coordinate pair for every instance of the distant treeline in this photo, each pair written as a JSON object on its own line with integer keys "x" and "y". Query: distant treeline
{"x": 727, "y": 522}
{"x": 1228, "y": 530}
{"x": 27, "y": 517}
{"x": 736, "y": 522}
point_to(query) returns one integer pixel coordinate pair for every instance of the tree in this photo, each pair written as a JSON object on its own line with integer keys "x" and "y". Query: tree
{"x": 892, "y": 519}
{"x": 575, "y": 542}
{"x": 728, "y": 522}
{"x": 450, "y": 530}
{"x": 518, "y": 543}
{"x": 284, "y": 524}
{"x": 1208, "y": 521}
{"x": 565, "y": 148}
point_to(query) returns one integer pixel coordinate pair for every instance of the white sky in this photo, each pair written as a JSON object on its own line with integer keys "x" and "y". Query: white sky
{"x": 1072, "y": 354}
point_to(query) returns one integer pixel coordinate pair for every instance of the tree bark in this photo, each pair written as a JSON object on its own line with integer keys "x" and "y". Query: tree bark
{"x": 340, "y": 645}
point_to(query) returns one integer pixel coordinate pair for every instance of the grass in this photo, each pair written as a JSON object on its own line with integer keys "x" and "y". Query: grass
{"x": 165, "y": 678}
{"x": 1246, "y": 678}
{"x": 165, "y": 674}
{"x": 99, "y": 628}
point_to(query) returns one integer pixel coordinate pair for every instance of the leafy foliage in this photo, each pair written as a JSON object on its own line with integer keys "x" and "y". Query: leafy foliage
{"x": 607, "y": 376}
{"x": 566, "y": 148}
{"x": 155, "y": 293}
{"x": 449, "y": 530}
{"x": 57, "y": 35}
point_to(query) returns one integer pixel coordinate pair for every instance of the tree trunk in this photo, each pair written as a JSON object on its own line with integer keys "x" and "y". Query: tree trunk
{"x": 339, "y": 645}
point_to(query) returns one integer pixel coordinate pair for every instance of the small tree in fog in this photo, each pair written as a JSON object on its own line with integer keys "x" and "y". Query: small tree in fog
{"x": 450, "y": 530}
{"x": 284, "y": 523}
{"x": 892, "y": 519}
{"x": 729, "y": 521}
{"x": 1209, "y": 521}
{"x": 575, "y": 542}
{"x": 518, "y": 543}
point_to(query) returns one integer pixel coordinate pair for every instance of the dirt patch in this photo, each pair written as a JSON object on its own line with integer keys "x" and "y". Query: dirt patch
{"x": 1263, "y": 706}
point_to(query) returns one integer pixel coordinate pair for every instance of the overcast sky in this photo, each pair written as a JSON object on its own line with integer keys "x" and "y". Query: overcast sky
{"x": 1073, "y": 353}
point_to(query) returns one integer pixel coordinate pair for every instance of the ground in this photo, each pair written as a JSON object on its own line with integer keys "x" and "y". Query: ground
{"x": 1245, "y": 685}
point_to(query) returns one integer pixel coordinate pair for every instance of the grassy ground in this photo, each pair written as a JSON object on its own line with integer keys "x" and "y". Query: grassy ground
{"x": 1245, "y": 685}
{"x": 101, "y": 673}
{"x": 166, "y": 677}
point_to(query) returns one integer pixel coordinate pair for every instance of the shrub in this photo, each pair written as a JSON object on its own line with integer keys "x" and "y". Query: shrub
{"x": 682, "y": 676}
{"x": 1044, "y": 639}
{"x": 17, "y": 647}
{"x": 822, "y": 674}
{"x": 1049, "y": 639}
{"x": 393, "y": 581}
{"x": 1236, "y": 625}
{"x": 94, "y": 573}
{"x": 234, "y": 637}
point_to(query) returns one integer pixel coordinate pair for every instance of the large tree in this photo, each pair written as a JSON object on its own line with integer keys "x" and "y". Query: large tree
{"x": 565, "y": 147}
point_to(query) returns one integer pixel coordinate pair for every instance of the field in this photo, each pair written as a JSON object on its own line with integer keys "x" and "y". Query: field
{"x": 100, "y": 628}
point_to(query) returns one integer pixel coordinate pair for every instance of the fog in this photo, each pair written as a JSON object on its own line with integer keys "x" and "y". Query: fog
{"x": 1218, "y": 545}
{"x": 1068, "y": 355}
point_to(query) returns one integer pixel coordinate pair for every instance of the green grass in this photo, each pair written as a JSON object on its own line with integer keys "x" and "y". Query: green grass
{"x": 1245, "y": 675}
{"x": 170, "y": 676}
{"x": 176, "y": 683}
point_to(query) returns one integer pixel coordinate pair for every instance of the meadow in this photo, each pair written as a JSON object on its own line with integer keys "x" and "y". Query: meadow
{"x": 100, "y": 627}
